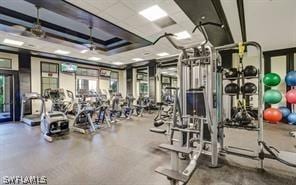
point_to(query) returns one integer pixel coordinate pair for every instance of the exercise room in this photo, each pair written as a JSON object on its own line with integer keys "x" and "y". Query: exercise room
{"x": 148, "y": 92}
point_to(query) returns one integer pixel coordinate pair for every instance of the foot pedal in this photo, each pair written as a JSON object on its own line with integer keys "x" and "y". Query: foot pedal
{"x": 172, "y": 174}
{"x": 177, "y": 149}
{"x": 158, "y": 123}
{"x": 157, "y": 130}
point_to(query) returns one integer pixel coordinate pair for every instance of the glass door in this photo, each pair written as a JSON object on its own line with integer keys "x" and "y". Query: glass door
{"x": 6, "y": 98}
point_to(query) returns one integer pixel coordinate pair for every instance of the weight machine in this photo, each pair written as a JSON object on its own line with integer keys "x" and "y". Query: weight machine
{"x": 200, "y": 121}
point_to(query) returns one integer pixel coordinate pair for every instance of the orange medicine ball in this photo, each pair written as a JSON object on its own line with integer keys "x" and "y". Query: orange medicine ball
{"x": 273, "y": 115}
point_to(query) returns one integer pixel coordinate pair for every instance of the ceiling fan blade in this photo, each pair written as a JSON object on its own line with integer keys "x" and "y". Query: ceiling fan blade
{"x": 51, "y": 39}
{"x": 10, "y": 29}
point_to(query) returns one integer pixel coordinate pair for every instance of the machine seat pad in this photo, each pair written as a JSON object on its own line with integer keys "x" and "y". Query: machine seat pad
{"x": 175, "y": 148}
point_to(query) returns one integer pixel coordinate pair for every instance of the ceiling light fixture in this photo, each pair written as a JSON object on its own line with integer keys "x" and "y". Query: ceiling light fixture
{"x": 153, "y": 13}
{"x": 137, "y": 59}
{"x": 13, "y": 42}
{"x": 117, "y": 63}
{"x": 84, "y": 51}
{"x": 182, "y": 35}
{"x": 163, "y": 54}
{"x": 61, "y": 52}
{"x": 94, "y": 58}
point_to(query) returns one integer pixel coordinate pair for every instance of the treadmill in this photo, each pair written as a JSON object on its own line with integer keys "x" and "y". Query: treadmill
{"x": 31, "y": 119}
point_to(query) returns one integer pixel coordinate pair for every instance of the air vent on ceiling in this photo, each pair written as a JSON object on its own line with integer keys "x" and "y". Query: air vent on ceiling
{"x": 165, "y": 22}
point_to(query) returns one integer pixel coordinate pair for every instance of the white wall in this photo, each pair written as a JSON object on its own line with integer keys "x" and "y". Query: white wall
{"x": 66, "y": 80}
{"x": 14, "y": 60}
{"x": 122, "y": 82}
{"x": 135, "y": 87}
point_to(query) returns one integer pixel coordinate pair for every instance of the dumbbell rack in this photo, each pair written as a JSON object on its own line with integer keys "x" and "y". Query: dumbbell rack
{"x": 231, "y": 123}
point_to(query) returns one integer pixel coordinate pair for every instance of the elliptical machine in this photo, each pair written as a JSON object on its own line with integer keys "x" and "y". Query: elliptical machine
{"x": 165, "y": 112}
{"x": 128, "y": 107}
{"x": 53, "y": 123}
{"x": 83, "y": 122}
{"x": 115, "y": 109}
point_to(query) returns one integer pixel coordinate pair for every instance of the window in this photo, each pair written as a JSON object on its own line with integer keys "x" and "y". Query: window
{"x": 87, "y": 72}
{"x": 114, "y": 80}
{"x": 49, "y": 76}
{"x": 86, "y": 85}
{"x": 5, "y": 63}
{"x": 86, "y": 80}
{"x": 143, "y": 88}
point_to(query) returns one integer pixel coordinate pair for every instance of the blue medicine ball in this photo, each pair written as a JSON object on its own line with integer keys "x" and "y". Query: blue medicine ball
{"x": 285, "y": 111}
{"x": 291, "y": 78}
{"x": 292, "y": 118}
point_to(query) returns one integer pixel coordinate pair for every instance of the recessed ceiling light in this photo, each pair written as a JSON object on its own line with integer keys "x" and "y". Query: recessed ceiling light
{"x": 162, "y": 54}
{"x": 137, "y": 59}
{"x": 84, "y": 51}
{"x": 153, "y": 13}
{"x": 13, "y": 42}
{"x": 94, "y": 58}
{"x": 62, "y": 52}
{"x": 182, "y": 35}
{"x": 117, "y": 63}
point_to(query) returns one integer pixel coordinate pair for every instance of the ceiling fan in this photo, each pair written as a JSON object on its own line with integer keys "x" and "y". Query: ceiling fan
{"x": 91, "y": 45}
{"x": 36, "y": 29}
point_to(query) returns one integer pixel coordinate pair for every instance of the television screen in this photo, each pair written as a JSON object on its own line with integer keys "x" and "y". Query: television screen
{"x": 105, "y": 73}
{"x": 69, "y": 68}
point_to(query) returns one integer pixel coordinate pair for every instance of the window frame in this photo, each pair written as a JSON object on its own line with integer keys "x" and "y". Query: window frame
{"x": 117, "y": 79}
{"x": 10, "y": 63}
{"x": 41, "y": 77}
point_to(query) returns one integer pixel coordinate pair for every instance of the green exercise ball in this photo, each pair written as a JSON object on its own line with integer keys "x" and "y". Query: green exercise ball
{"x": 271, "y": 79}
{"x": 272, "y": 96}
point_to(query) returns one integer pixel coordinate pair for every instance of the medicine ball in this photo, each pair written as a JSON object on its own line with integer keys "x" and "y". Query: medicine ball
{"x": 250, "y": 71}
{"x": 273, "y": 115}
{"x": 285, "y": 111}
{"x": 231, "y": 73}
{"x": 273, "y": 96}
{"x": 249, "y": 88}
{"x": 271, "y": 79}
{"x": 231, "y": 88}
{"x": 292, "y": 118}
{"x": 291, "y": 78}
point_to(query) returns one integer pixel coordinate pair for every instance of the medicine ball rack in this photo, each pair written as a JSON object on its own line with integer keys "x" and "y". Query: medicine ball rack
{"x": 234, "y": 123}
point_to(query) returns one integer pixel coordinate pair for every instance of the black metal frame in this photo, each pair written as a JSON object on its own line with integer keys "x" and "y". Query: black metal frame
{"x": 241, "y": 14}
{"x": 16, "y": 96}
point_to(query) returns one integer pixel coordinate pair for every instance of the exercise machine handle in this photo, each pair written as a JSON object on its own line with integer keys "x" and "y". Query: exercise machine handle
{"x": 207, "y": 23}
{"x": 162, "y": 36}
{"x": 201, "y": 28}
{"x": 168, "y": 37}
